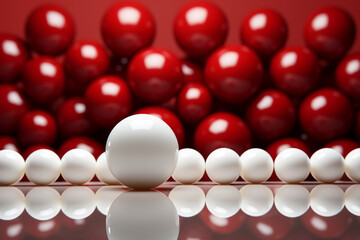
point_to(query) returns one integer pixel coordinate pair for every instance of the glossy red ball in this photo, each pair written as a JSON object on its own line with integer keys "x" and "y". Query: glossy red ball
{"x": 271, "y": 115}
{"x": 343, "y": 146}
{"x": 192, "y": 73}
{"x": 357, "y": 125}
{"x": 85, "y": 143}
{"x": 108, "y": 101}
{"x": 330, "y": 32}
{"x": 348, "y": 76}
{"x": 200, "y": 28}
{"x": 265, "y": 31}
{"x": 155, "y": 75}
{"x": 222, "y": 130}
{"x": 127, "y": 27}
{"x": 277, "y": 146}
{"x": 326, "y": 114}
{"x": 50, "y": 29}
{"x": 295, "y": 70}
{"x": 10, "y": 143}
{"x": 25, "y": 154}
{"x": 86, "y": 60}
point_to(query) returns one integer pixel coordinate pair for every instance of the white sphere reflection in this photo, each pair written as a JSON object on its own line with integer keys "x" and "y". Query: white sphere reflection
{"x": 43, "y": 203}
{"x": 352, "y": 199}
{"x": 78, "y": 202}
{"x": 292, "y": 200}
{"x": 12, "y": 203}
{"x": 105, "y": 196}
{"x": 223, "y": 201}
{"x": 327, "y": 200}
{"x": 256, "y": 200}
{"x": 188, "y": 200}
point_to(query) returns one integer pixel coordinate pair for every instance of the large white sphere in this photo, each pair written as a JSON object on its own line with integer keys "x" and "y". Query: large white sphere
{"x": 292, "y": 200}
{"x": 256, "y": 200}
{"x": 352, "y": 165}
{"x": 189, "y": 200}
{"x": 43, "y": 203}
{"x": 78, "y": 202}
{"x": 223, "y": 166}
{"x": 190, "y": 166}
{"x": 103, "y": 172}
{"x": 12, "y": 203}
{"x": 78, "y": 166}
{"x": 42, "y": 167}
{"x": 142, "y": 151}
{"x": 292, "y": 165}
{"x": 223, "y": 201}
{"x": 256, "y": 165}
{"x": 327, "y": 165}
{"x": 327, "y": 200}
{"x": 12, "y": 167}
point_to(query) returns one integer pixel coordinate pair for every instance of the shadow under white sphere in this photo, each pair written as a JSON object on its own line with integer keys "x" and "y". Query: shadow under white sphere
{"x": 12, "y": 203}
{"x": 188, "y": 200}
{"x": 43, "y": 203}
{"x": 78, "y": 202}
{"x": 327, "y": 200}
{"x": 223, "y": 201}
{"x": 292, "y": 200}
{"x": 256, "y": 200}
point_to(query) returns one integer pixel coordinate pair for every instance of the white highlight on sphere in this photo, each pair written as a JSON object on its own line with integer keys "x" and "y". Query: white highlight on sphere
{"x": 327, "y": 200}
{"x": 12, "y": 167}
{"x": 223, "y": 201}
{"x": 256, "y": 200}
{"x": 78, "y": 166}
{"x": 223, "y": 166}
{"x": 12, "y": 203}
{"x": 292, "y": 200}
{"x": 78, "y": 202}
{"x": 190, "y": 166}
{"x": 189, "y": 200}
{"x": 352, "y": 165}
{"x": 43, "y": 203}
{"x": 142, "y": 151}
{"x": 105, "y": 196}
{"x": 352, "y": 199}
{"x": 42, "y": 167}
{"x": 257, "y": 165}
{"x": 327, "y": 165}
{"x": 292, "y": 165}
{"x": 103, "y": 172}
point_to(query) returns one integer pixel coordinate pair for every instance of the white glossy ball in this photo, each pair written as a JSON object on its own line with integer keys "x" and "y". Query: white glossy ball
{"x": 352, "y": 199}
{"x": 78, "y": 166}
{"x": 352, "y": 165}
{"x": 292, "y": 165}
{"x": 223, "y": 201}
{"x": 103, "y": 172}
{"x": 42, "y": 167}
{"x": 292, "y": 200}
{"x": 12, "y": 203}
{"x": 189, "y": 200}
{"x": 190, "y": 166}
{"x": 142, "y": 151}
{"x": 327, "y": 165}
{"x": 105, "y": 196}
{"x": 43, "y": 203}
{"x": 327, "y": 200}
{"x": 223, "y": 166}
{"x": 256, "y": 200}
{"x": 12, "y": 167}
{"x": 257, "y": 165}
{"x": 78, "y": 202}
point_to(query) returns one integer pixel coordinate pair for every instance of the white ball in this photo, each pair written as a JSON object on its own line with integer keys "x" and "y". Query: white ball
{"x": 327, "y": 200}
{"x": 12, "y": 203}
{"x": 42, "y": 167}
{"x": 190, "y": 166}
{"x": 256, "y": 200}
{"x": 142, "y": 151}
{"x": 78, "y": 202}
{"x": 43, "y": 203}
{"x": 352, "y": 165}
{"x": 103, "y": 172}
{"x": 292, "y": 165}
{"x": 327, "y": 165}
{"x": 78, "y": 166}
{"x": 223, "y": 201}
{"x": 292, "y": 200}
{"x": 257, "y": 165}
{"x": 223, "y": 166}
{"x": 352, "y": 199}
{"x": 105, "y": 196}
{"x": 12, "y": 167}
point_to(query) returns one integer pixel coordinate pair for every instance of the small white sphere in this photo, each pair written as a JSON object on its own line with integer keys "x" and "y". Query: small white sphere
{"x": 42, "y": 167}
{"x": 352, "y": 199}
{"x": 188, "y": 200}
{"x": 352, "y": 165}
{"x": 142, "y": 151}
{"x": 190, "y": 166}
{"x": 292, "y": 200}
{"x": 43, "y": 203}
{"x": 103, "y": 172}
{"x": 78, "y": 202}
{"x": 223, "y": 201}
{"x": 327, "y": 200}
{"x": 12, "y": 167}
{"x": 12, "y": 203}
{"x": 105, "y": 196}
{"x": 327, "y": 165}
{"x": 257, "y": 165}
{"x": 292, "y": 165}
{"x": 256, "y": 200}
{"x": 78, "y": 166}
{"x": 223, "y": 166}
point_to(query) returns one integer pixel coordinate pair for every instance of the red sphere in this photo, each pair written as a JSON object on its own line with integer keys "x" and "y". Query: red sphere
{"x": 265, "y": 31}
{"x": 276, "y": 147}
{"x": 34, "y": 148}
{"x": 200, "y": 28}
{"x": 13, "y": 106}
{"x": 127, "y": 27}
{"x": 348, "y": 76}
{"x": 50, "y": 29}
{"x": 295, "y": 70}
{"x": 13, "y": 56}
{"x": 43, "y": 79}
{"x": 330, "y": 32}
{"x": 233, "y": 73}
{"x": 37, "y": 127}
{"x": 85, "y": 143}
{"x": 194, "y": 102}
{"x": 222, "y": 130}
{"x": 109, "y": 100}
{"x": 271, "y": 115}
{"x": 343, "y": 146}
{"x": 86, "y": 60}
{"x": 154, "y": 75}
{"x": 357, "y": 125}
{"x": 169, "y": 118}
{"x": 192, "y": 72}
{"x": 72, "y": 118}
{"x": 11, "y": 143}
{"x": 326, "y": 114}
